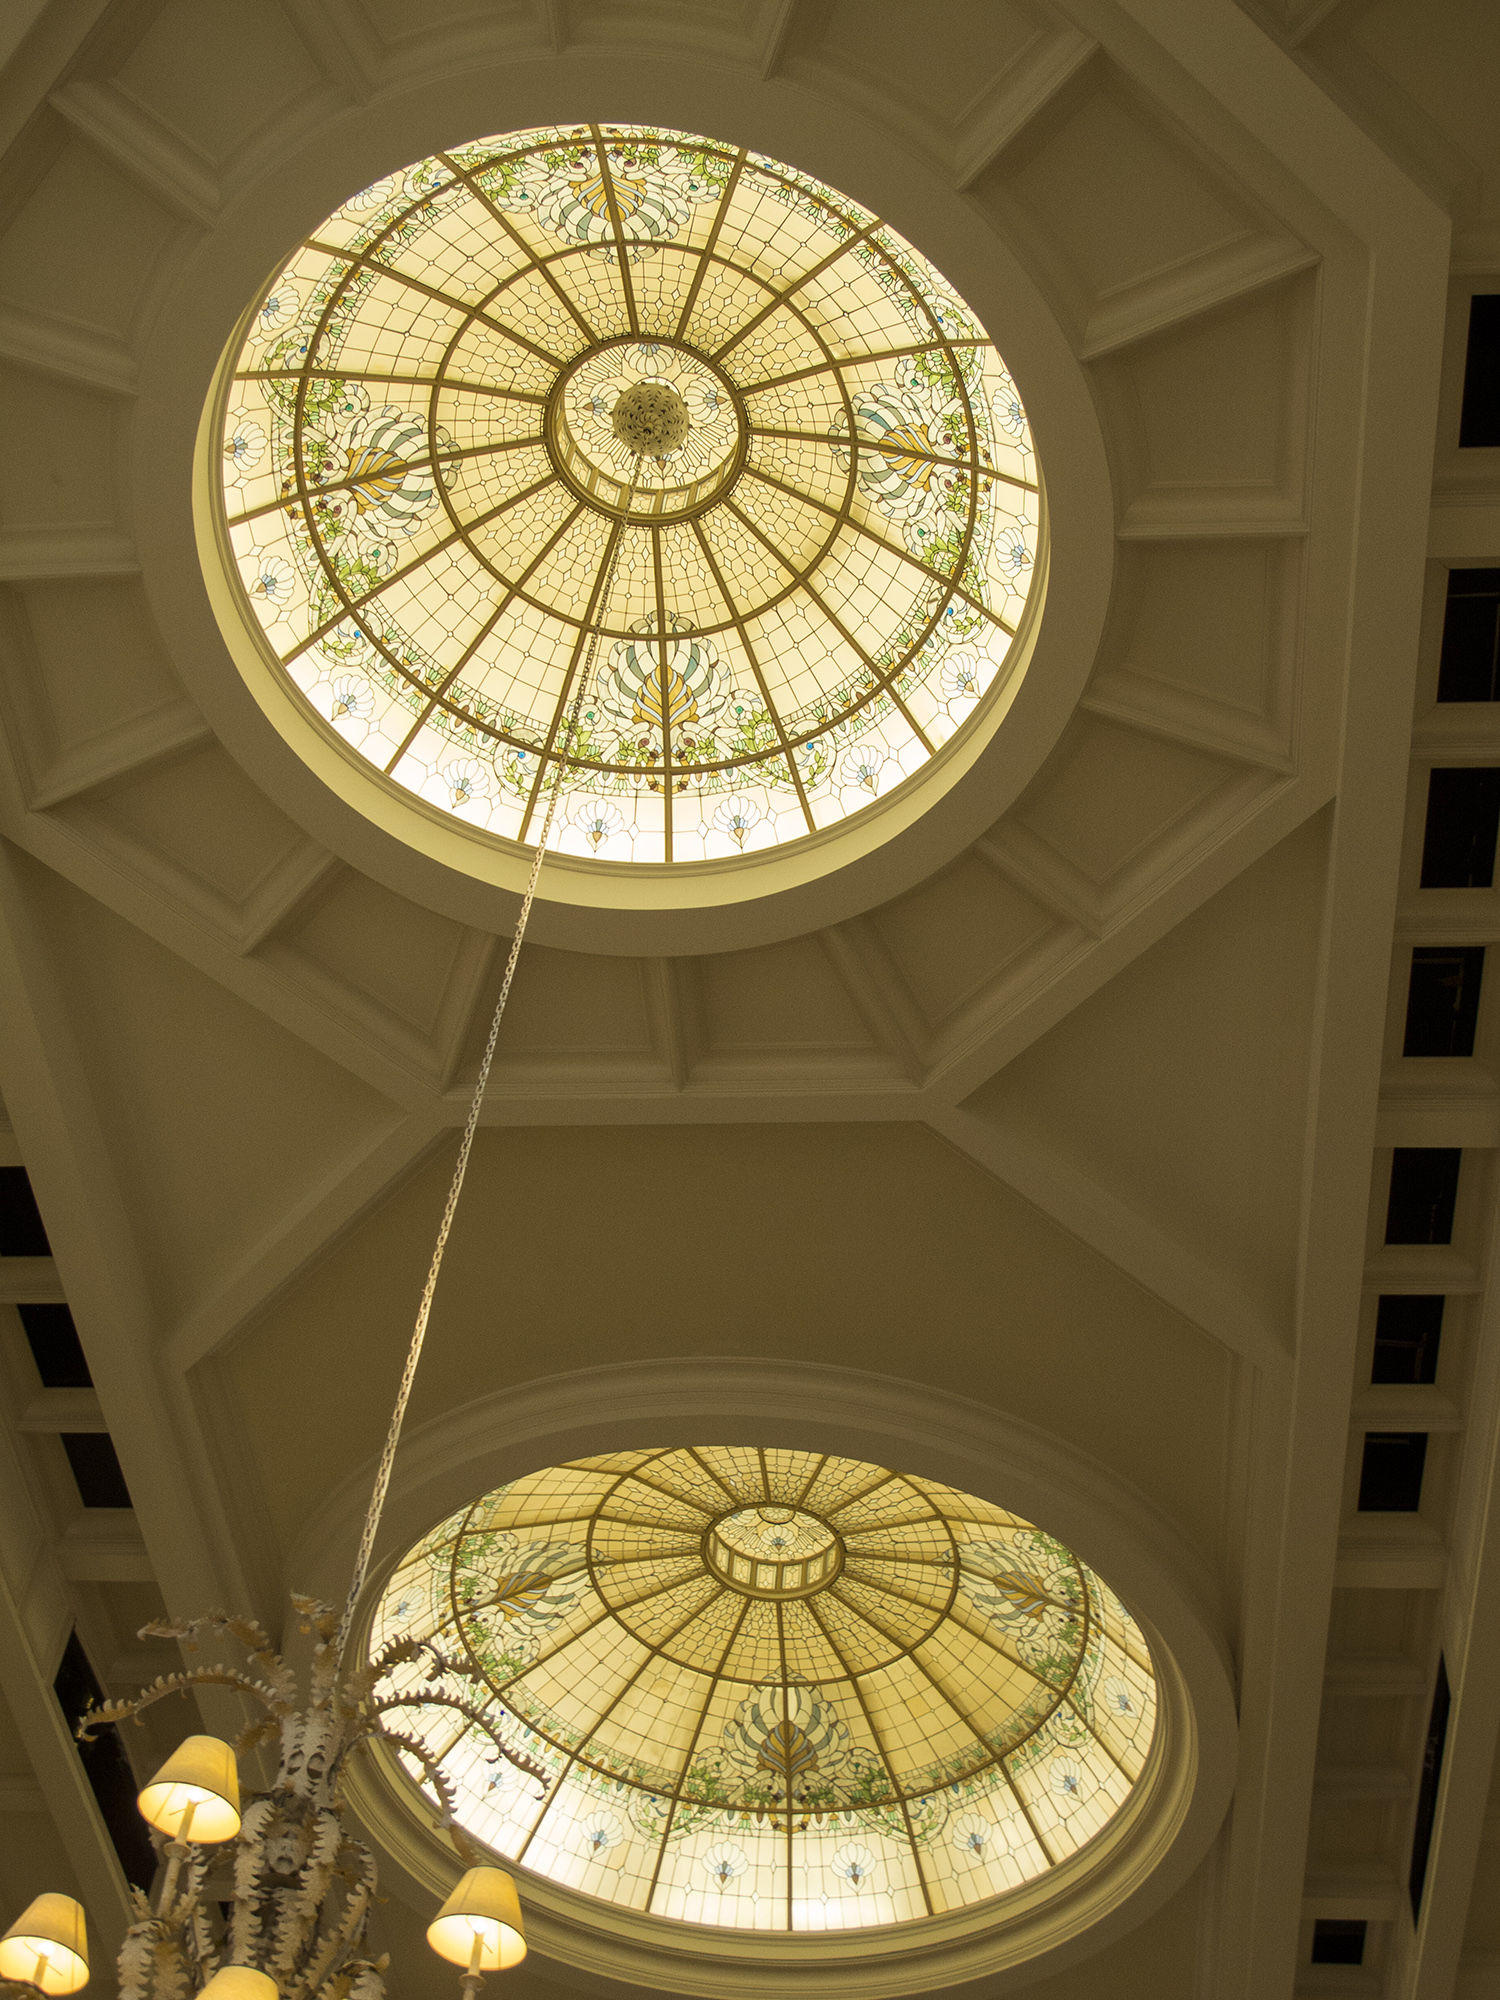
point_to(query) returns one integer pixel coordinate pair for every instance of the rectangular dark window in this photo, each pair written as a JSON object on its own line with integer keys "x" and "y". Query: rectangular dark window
{"x": 1427, "y": 1789}
{"x": 1442, "y": 1000}
{"x": 1463, "y": 812}
{"x": 96, "y": 1469}
{"x": 21, "y": 1231}
{"x": 55, "y": 1347}
{"x": 1479, "y": 422}
{"x": 106, "y": 1766}
{"x": 1408, "y": 1327}
{"x": 1390, "y": 1474}
{"x": 1424, "y": 1189}
{"x": 1339, "y": 1941}
{"x": 1469, "y": 669}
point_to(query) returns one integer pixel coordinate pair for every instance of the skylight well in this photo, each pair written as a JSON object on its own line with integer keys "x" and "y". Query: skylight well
{"x": 772, "y": 1690}
{"x": 804, "y": 580}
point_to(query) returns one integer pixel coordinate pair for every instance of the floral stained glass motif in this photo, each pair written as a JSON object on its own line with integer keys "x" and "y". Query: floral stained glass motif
{"x": 424, "y": 489}
{"x": 774, "y": 1691}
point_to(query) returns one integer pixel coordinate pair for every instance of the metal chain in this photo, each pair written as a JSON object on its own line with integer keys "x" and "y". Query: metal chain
{"x": 419, "y": 1332}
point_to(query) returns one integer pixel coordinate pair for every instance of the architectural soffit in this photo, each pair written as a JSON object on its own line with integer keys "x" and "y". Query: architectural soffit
{"x": 1178, "y": 750}
{"x": 1182, "y": 767}
{"x": 1197, "y": 294}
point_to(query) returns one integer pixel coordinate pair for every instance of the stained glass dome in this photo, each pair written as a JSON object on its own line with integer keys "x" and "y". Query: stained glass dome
{"x": 772, "y": 609}
{"x": 774, "y": 1691}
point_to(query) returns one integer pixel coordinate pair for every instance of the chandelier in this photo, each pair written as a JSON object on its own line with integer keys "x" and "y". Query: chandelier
{"x": 299, "y": 1884}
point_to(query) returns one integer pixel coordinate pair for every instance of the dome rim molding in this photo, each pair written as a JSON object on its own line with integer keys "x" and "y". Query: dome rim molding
{"x": 433, "y": 859}
{"x": 1140, "y": 1860}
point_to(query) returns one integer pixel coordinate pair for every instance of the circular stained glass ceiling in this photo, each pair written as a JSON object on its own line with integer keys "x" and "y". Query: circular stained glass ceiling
{"x": 773, "y": 1691}
{"x": 617, "y": 460}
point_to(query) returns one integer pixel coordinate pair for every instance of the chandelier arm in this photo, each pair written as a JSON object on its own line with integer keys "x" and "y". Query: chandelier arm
{"x": 424, "y": 1310}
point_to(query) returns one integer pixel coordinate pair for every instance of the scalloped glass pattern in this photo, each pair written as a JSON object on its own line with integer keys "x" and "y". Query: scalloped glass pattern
{"x": 441, "y": 537}
{"x": 772, "y": 1690}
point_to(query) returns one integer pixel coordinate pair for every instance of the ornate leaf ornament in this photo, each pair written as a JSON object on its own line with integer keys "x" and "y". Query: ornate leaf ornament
{"x": 301, "y": 1884}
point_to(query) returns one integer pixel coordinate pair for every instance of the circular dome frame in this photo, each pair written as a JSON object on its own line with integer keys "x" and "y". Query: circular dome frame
{"x": 412, "y": 848}
{"x": 705, "y": 652}
{"x": 1141, "y": 1859}
{"x": 771, "y": 1743}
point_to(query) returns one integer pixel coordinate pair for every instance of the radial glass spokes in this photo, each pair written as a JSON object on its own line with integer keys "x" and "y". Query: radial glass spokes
{"x": 773, "y": 1690}
{"x": 820, "y": 578}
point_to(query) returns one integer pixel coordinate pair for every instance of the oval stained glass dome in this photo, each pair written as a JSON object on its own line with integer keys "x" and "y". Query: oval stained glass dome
{"x": 632, "y": 464}
{"x": 772, "y": 1690}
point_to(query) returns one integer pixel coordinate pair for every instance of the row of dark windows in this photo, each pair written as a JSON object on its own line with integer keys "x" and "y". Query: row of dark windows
{"x": 1408, "y": 1326}
{"x": 56, "y": 1348}
{"x": 60, "y": 1364}
{"x": 1408, "y": 1330}
{"x": 1341, "y": 1940}
{"x": 105, "y": 1765}
{"x": 1442, "y": 1010}
{"x": 1479, "y": 418}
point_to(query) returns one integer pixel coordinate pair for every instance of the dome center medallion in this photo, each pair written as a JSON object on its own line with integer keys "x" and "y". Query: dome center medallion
{"x": 651, "y": 411}
{"x": 769, "y": 1551}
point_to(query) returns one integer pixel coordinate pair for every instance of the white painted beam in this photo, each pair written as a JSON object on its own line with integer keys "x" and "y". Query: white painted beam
{"x": 115, "y": 753}
{"x": 1197, "y": 285}
{"x": 1390, "y": 1557}
{"x": 1168, "y": 1270}
{"x": 674, "y": 1016}
{"x": 105, "y": 1545}
{"x": 44, "y": 555}
{"x": 177, "y": 174}
{"x": 54, "y": 346}
{"x": 1003, "y": 110}
{"x": 26, "y": 1682}
{"x": 1370, "y": 1892}
{"x": 1029, "y": 864}
{"x": 1397, "y": 1406}
{"x": 779, "y": 21}
{"x": 173, "y": 1478}
{"x": 879, "y": 994}
{"x": 359, "y": 1183}
{"x": 340, "y": 40}
{"x": 30, "y": 1281}
{"x": 1465, "y": 532}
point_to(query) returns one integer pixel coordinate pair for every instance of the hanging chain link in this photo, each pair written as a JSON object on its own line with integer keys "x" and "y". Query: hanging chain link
{"x": 419, "y": 1332}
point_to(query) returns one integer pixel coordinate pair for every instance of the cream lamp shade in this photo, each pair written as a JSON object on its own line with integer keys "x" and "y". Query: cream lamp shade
{"x": 240, "y": 1982}
{"x": 200, "y": 1776}
{"x": 47, "y": 1946}
{"x": 483, "y": 1906}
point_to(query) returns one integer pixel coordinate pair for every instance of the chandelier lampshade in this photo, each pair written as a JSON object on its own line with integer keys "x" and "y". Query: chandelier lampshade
{"x": 484, "y": 1911}
{"x": 47, "y": 1946}
{"x": 196, "y": 1793}
{"x": 241, "y": 1982}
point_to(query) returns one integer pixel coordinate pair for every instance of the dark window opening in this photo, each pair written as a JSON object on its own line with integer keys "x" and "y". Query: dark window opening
{"x": 55, "y": 1347}
{"x": 1479, "y": 421}
{"x": 1390, "y": 1474}
{"x": 1339, "y": 1941}
{"x": 1463, "y": 813}
{"x": 1424, "y": 1193}
{"x": 1427, "y": 1789}
{"x": 96, "y": 1469}
{"x": 21, "y": 1231}
{"x": 1442, "y": 1000}
{"x": 106, "y": 1766}
{"x": 1408, "y": 1327}
{"x": 1469, "y": 667}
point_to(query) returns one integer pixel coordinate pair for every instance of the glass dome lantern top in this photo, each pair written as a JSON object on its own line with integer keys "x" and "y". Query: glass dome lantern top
{"x": 438, "y": 435}
{"x": 773, "y": 1690}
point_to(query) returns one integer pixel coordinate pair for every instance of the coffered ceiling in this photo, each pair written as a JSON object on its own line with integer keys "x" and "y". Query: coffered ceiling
{"x": 1064, "y": 1100}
